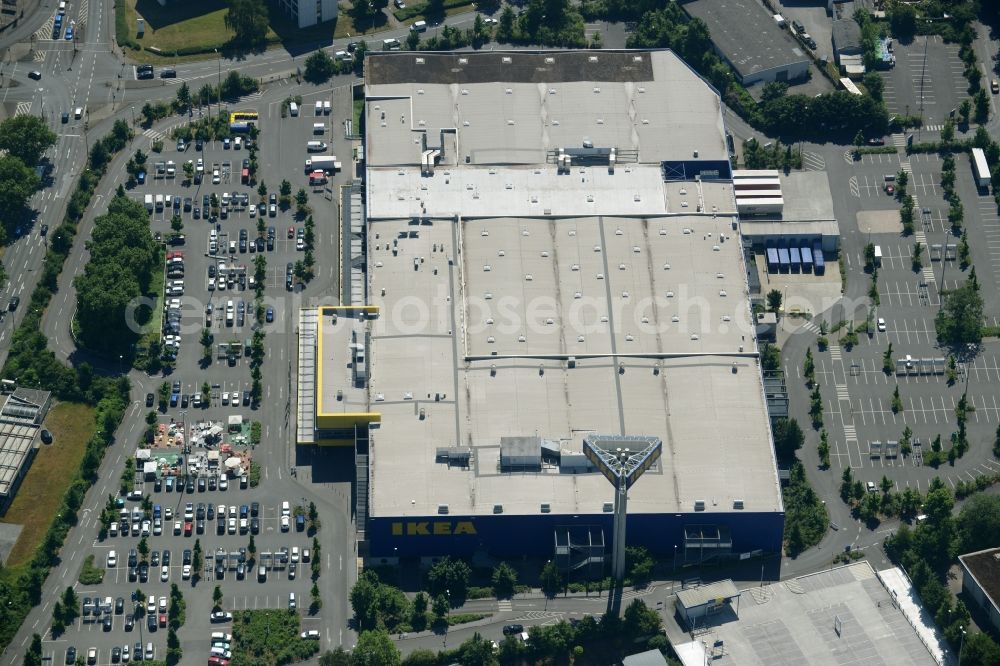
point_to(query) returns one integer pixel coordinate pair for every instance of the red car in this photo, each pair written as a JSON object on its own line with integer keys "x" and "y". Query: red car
{"x": 163, "y": 619}
{"x": 216, "y": 660}
{"x": 889, "y": 189}
{"x": 291, "y": 232}
{"x": 187, "y": 528}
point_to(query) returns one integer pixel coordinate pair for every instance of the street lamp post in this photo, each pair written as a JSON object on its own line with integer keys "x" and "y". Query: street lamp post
{"x": 961, "y": 645}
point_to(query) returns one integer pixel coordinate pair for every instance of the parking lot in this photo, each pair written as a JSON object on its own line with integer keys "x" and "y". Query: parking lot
{"x": 281, "y": 155}
{"x": 927, "y": 80}
{"x": 285, "y": 552}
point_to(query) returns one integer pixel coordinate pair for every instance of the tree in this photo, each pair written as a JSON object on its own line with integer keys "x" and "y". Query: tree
{"x": 248, "y": 19}
{"x": 319, "y": 67}
{"x": 183, "y": 96}
{"x": 978, "y": 522}
{"x": 477, "y": 651}
{"x": 982, "y": 105}
{"x": 143, "y": 549}
{"x": 375, "y": 648}
{"x": 26, "y": 137}
{"x": 859, "y": 141}
{"x": 33, "y": 656}
{"x": 217, "y": 598}
{"x": 262, "y": 191}
{"x": 365, "y": 600}
{"x": 337, "y": 657}
{"x": 948, "y": 131}
{"x": 451, "y": 577}
{"x": 788, "y": 438}
{"x": 809, "y": 367}
{"x": 774, "y": 298}
{"x": 441, "y": 606}
{"x": 17, "y": 184}
{"x": 285, "y": 190}
{"x": 640, "y": 620}
{"x": 504, "y": 579}
{"x": 505, "y": 27}
{"x": 551, "y": 579}
{"x": 176, "y": 223}
{"x": 960, "y": 320}
{"x": 902, "y": 20}
{"x": 897, "y": 402}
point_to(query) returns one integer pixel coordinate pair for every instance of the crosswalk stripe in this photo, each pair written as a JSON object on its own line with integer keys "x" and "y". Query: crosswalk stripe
{"x": 23, "y": 108}
{"x": 842, "y": 393}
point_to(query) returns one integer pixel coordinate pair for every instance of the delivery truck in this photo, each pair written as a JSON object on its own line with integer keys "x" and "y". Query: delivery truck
{"x": 980, "y": 167}
{"x": 326, "y": 163}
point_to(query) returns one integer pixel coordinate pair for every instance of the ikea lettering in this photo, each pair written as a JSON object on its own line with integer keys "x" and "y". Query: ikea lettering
{"x": 433, "y": 528}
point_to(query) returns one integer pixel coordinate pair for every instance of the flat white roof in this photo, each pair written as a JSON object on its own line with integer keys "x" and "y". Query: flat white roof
{"x": 516, "y": 112}
{"x": 656, "y": 344}
{"x": 840, "y": 616}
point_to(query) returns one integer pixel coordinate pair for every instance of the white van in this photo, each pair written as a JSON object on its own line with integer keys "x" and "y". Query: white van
{"x": 221, "y": 636}
{"x": 319, "y": 128}
{"x": 319, "y": 108}
{"x": 326, "y": 108}
{"x": 293, "y": 108}
{"x": 312, "y": 147}
{"x": 878, "y": 255}
{"x": 238, "y": 143}
{"x": 159, "y": 203}
{"x": 149, "y": 202}
{"x": 419, "y": 26}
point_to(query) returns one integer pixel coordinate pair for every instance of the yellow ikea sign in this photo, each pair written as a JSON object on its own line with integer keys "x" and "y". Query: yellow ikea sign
{"x": 433, "y": 528}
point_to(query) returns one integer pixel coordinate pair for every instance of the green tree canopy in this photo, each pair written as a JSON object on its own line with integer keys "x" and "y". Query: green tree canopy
{"x": 26, "y": 137}
{"x": 248, "y": 19}
{"x": 319, "y": 67}
{"x": 979, "y": 523}
{"x": 375, "y": 648}
{"x": 960, "y": 320}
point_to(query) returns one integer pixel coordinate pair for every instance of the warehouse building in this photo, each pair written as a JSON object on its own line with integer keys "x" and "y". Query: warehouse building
{"x": 20, "y": 419}
{"x": 551, "y": 254}
{"x": 794, "y": 209}
{"x": 847, "y": 615}
{"x": 981, "y": 582}
{"x": 747, "y": 37}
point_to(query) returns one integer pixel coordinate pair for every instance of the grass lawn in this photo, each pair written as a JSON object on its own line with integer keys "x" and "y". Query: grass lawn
{"x": 346, "y": 28}
{"x": 359, "y": 108}
{"x": 43, "y": 487}
{"x": 201, "y": 26}
{"x": 155, "y": 322}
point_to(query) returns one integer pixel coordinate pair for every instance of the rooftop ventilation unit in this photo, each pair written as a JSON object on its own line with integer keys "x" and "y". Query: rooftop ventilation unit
{"x": 442, "y": 509}
{"x": 546, "y": 507}
{"x": 699, "y": 505}
{"x": 498, "y": 508}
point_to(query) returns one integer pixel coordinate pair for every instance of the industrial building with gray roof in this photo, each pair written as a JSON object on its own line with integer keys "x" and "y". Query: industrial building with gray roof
{"x": 553, "y": 253}
{"x": 747, "y": 36}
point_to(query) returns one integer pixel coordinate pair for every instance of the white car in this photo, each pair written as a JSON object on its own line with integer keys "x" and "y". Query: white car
{"x": 253, "y": 211}
{"x": 881, "y": 325}
{"x": 163, "y": 604}
{"x": 221, "y": 616}
{"x": 300, "y": 244}
{"x": 189, "y": 511}
{"x": 225, "y": 398}
{"x": 223, "y": 483}
{"x": 312, "y": 634}
{"x": 126, "y": 654}
{"x": 164, "y": 574}
{"x": 232, "y": 526}
{"x": 177, "y": 527}
{"x": 284, "y": 523}
{"x": 295, "y": 553}
{"x": 112, "y": 559}
{"x": 168, "y": 513}
{"x": 186, "y": 572}
{"x": 216, "y": 178}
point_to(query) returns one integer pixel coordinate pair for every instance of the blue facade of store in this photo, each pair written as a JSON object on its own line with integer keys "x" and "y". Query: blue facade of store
{"x": 512, "y": 535}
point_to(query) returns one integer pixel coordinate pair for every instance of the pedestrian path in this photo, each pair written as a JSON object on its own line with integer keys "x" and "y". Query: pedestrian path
{"x": 153, "y": 134}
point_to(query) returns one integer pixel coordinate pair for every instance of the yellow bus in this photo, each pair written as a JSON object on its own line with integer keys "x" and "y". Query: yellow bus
{"x": 243, "y": 116}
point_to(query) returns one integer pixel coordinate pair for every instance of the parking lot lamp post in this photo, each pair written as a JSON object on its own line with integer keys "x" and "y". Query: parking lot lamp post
{"x": 961, "y": 644}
